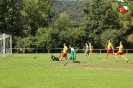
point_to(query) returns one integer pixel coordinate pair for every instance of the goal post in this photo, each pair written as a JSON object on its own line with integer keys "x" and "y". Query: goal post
{"x": 6, "y": 44}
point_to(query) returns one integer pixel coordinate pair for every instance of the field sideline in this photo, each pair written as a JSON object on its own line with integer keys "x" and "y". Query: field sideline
{"x": 38, "y": 71}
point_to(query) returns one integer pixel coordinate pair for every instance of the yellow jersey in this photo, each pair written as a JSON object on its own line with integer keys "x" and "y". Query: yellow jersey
{"x": 65, "y": 49}
{"x": 120, "y": 48}
{"x": 91, "y": 47}
{"x": 109, "y": 46}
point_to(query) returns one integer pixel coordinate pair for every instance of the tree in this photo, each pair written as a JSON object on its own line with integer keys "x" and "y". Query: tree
{"x": 62, "y": 21}
{"x": 99, "y": 17}
{"x": 47, "y": 38}
{"x": 126, "y": 24}
{"x": 74, "y": 36}
{"x": 86, "y": 9}
{"x": 113, "y": 35}
{"x": 9, "y": 16}
{"x": 35, "y": 14}
{"x": 130, "y": 38}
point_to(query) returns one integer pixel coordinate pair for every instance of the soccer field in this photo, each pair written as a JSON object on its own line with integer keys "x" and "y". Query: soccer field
{"x": 38, "y": 71}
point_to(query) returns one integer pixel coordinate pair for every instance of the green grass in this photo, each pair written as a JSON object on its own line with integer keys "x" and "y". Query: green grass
{"x": 26, "y": 71}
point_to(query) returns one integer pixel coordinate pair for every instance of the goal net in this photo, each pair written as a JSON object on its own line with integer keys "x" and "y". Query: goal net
{"x": 5, "y": 44}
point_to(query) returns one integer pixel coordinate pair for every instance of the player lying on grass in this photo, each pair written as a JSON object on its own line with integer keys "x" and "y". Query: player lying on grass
{"x": 120, "y": 52}
{"x": 72, "y": 56}
{"x": 54, "y": 58}
{"x": 110, "y": 49}
{"x": 91, "y": 49}
{"x": 64, "y": 52}
{"x": 86, "y": 50}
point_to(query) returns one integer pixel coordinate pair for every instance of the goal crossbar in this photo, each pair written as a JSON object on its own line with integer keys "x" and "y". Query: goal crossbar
{"x": 6, "y": 36}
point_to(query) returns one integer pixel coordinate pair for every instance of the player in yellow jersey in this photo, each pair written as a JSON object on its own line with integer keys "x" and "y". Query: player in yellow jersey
{"x": 91, "y": 49}
{"x": 109, "y": 49}
{"x": 120, "y": 52}
{"x": 64, "y": 52}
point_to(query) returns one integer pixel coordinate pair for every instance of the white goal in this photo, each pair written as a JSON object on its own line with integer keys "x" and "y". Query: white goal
{"x": 5, "y": 44}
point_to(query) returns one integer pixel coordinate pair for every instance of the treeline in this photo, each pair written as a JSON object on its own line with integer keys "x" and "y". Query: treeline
{"x": 33, "y": 23}
{"x": 69, "y": 0}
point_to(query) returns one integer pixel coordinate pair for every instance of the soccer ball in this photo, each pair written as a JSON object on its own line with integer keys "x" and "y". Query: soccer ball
{"x": 21, "y": 49}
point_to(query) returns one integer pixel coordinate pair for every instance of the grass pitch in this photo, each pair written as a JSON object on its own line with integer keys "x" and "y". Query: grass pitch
{"x": 38, "y": 71}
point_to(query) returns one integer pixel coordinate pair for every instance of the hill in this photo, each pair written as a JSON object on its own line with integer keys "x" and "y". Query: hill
{"x": 73, "y": 8}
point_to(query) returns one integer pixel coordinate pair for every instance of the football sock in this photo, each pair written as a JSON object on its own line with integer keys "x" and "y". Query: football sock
{"x": 60, "y": 59}
{"x": 65, "y": 63}
{"x": 106, "y": 57}
{"x": 125, "y": 58}
{"x": 89, "y": 56}
{"x": 86, "y": 55}
{"x": 76, "y": 62}
{"x": 116, "y": 57}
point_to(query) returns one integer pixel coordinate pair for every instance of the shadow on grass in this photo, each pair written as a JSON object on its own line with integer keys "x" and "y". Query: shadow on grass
{"x": 83, "y": 62}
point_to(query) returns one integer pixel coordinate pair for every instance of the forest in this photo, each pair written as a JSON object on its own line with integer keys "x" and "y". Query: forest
{"x": 50, "y": 23}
